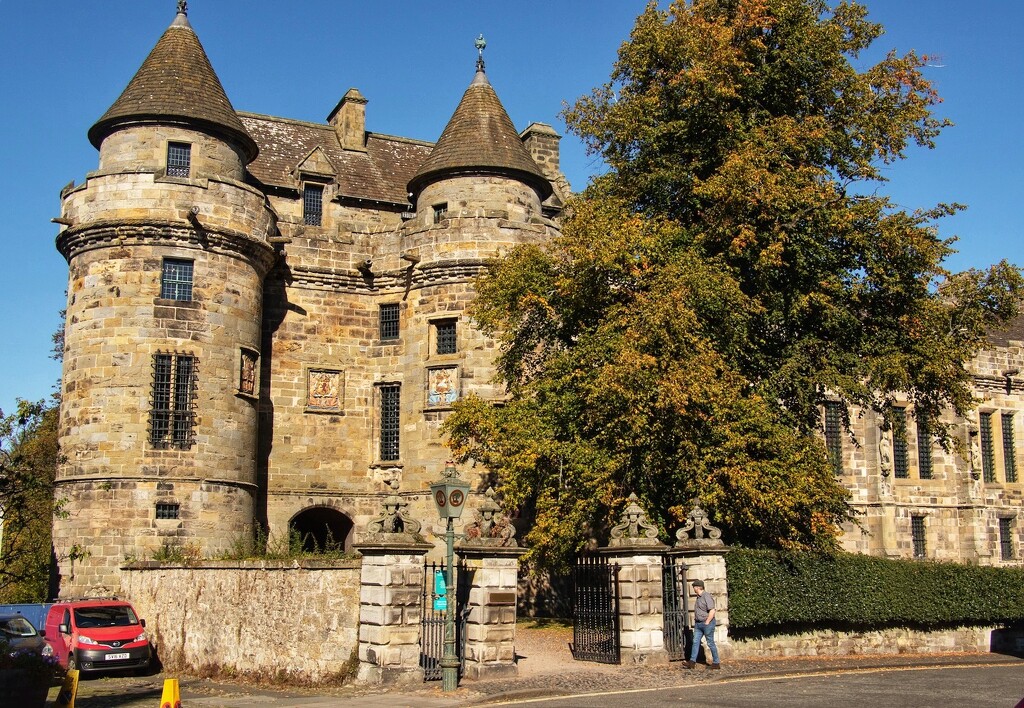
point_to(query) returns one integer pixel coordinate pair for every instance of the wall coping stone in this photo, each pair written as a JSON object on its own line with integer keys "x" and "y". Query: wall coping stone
{"x": 284, "y": 564}
{"x": 382, "y": 543}
{"x": 476, "y": 552}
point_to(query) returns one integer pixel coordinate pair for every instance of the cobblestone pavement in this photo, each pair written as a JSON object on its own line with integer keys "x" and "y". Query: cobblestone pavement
{"x": 546, "y": 668}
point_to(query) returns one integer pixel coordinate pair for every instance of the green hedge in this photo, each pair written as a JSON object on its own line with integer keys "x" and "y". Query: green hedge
{"x": 768, "y": 589}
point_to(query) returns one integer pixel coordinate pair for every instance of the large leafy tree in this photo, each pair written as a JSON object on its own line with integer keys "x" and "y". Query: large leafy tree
{"x": 737, "y": 266}
{"x": 28, "y": 466}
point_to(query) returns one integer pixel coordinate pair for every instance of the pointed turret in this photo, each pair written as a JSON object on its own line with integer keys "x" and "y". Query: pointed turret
{"x": 176, "y": 85}
{"x": 480, "y": 139}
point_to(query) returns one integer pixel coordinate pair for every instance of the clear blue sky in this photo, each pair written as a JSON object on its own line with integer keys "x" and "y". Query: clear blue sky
{"x": 65, "y": 62}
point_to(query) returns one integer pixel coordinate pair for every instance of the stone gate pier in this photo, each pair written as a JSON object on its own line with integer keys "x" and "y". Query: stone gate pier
{"x": 490, "y": 556}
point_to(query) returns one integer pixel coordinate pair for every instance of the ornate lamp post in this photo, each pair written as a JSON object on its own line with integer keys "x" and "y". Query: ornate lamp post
{"x": 450, "y": 498}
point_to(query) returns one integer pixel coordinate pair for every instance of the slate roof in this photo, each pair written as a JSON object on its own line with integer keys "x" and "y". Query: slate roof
{"x": 176, "y": 83}
{"x": 381, "y": 173}
{"x": 1013, "y": 331}
{"x": 480, "y": 137}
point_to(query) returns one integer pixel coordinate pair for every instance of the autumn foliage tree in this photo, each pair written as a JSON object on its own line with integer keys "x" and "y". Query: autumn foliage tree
{"x": 736, "y": 266}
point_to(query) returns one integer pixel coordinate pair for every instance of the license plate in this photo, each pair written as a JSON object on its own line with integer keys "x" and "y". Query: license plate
{"x": 115, "y": 657}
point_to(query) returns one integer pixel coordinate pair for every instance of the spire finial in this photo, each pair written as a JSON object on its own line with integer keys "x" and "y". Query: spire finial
{"x": 480, "y": 44}
{"x": 183, "y": 7}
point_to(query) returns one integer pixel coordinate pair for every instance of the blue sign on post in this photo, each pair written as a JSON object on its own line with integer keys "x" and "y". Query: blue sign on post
{"x": 440, "y": 592}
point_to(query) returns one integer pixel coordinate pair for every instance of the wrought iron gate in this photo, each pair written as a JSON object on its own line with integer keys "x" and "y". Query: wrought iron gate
{"x": 595, "y": 621}
{"x": 674, "y": 608}
{"x": 432, "y": 621}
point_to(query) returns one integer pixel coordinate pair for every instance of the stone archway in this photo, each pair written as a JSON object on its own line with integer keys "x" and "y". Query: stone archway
{"x": 322, "y": 528}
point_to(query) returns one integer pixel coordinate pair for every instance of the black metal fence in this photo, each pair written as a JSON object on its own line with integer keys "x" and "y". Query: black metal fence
{"x": 595, "y": 625}
{"x": 433, "y": 620}
{"x": 675, "y": 608}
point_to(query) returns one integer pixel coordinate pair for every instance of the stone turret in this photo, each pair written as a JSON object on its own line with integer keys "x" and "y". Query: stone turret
{"x": 167, "y": 249}
{"x": 480, "y": 164}
{"x": 478, "y": 194}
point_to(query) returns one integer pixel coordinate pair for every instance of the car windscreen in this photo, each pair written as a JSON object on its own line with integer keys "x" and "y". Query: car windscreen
{"x": 106, "y": 616}
{"x": 16, "y": 627}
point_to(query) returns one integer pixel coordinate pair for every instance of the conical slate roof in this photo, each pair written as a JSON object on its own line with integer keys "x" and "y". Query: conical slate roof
{"x": 480, "y": 139}
{"x": 176, "y": 84}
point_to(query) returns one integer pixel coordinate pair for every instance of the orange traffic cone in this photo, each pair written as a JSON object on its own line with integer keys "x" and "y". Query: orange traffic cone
{"x": 68, "y": 690}
{"x": 171, "y": 697}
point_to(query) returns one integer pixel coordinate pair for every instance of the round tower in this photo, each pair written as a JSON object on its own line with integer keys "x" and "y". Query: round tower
{"x": 167, "y": 249}
{"x": 478, "y": 194}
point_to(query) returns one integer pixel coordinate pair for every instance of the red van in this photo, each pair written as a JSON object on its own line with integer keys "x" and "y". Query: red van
{"x": 98, "y": 635}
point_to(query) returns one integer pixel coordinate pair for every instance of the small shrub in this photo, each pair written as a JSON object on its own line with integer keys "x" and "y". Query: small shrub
{"x": 294, "y": 546}
{"x": 185, "y": 554}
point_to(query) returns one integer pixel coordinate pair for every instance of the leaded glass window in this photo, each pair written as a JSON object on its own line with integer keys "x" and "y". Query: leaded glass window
{"x": 176, "y": 279}
{"x": 179, "y": 159}
{"x": 312, "y": 204}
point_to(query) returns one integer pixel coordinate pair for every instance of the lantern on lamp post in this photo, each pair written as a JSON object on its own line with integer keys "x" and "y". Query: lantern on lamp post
{"x": 450, "y": 499}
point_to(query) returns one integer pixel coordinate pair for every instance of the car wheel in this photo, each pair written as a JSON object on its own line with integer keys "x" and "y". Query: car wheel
{"x": 72, "y": 664}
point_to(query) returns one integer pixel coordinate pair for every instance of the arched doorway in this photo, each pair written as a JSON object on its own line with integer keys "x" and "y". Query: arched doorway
{"x": 321, "y": 529}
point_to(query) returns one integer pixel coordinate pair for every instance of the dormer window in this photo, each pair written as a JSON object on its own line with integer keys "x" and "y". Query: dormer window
{"x": 312, "y": 204}
{"x": 440, "y": 212}
{"x": 179, "y": 159}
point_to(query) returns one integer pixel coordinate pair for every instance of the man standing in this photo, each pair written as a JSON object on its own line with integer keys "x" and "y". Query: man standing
{"x": 704, "y": 616}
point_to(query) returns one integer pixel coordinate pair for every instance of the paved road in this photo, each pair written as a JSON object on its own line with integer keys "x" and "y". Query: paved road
{"x": 973, "y": 686}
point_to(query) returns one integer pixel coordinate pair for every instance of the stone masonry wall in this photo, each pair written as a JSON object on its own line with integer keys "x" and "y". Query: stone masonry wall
{"x": 888, "y": 641}
{"x": 286, "y": 619}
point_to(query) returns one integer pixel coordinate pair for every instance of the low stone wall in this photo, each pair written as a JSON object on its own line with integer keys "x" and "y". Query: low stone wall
{"x": 898, "y": 640}
{"x": 289, "y": 619}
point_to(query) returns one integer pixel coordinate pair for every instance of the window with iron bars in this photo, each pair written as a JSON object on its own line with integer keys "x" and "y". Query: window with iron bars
{"x": 172, "y": 417}
{"x": 988, "y": 453}
{"x": 179, "y": 159}
{"x": 917, "y": 534}
{"x": 834, "y": 435}
{"x": 167, "y": 511}
{"x": 389, "y": 321}
{"x": 1009, "y": 448}
{"x": 444, "y": 337}
{"x": 390, "y": 411}
{"x": 176, "y": 279}
{"x": 900, "y": 466}
{"x": 924, "y": 449}
{"x": 1006, "y": 539}
{"x": 312, "y": 204}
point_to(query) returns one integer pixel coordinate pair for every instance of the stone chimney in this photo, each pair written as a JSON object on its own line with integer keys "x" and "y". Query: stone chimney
{"x": 541, "y": 141}
{"x": 349, "y": 120}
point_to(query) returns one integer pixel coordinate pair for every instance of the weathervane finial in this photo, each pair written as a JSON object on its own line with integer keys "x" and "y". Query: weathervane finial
{"x": 480, "y": 44}
{"x": 183, "y": 7}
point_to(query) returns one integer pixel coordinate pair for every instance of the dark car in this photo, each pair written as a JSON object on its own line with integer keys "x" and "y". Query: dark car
{"x": 18, "y": 634}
